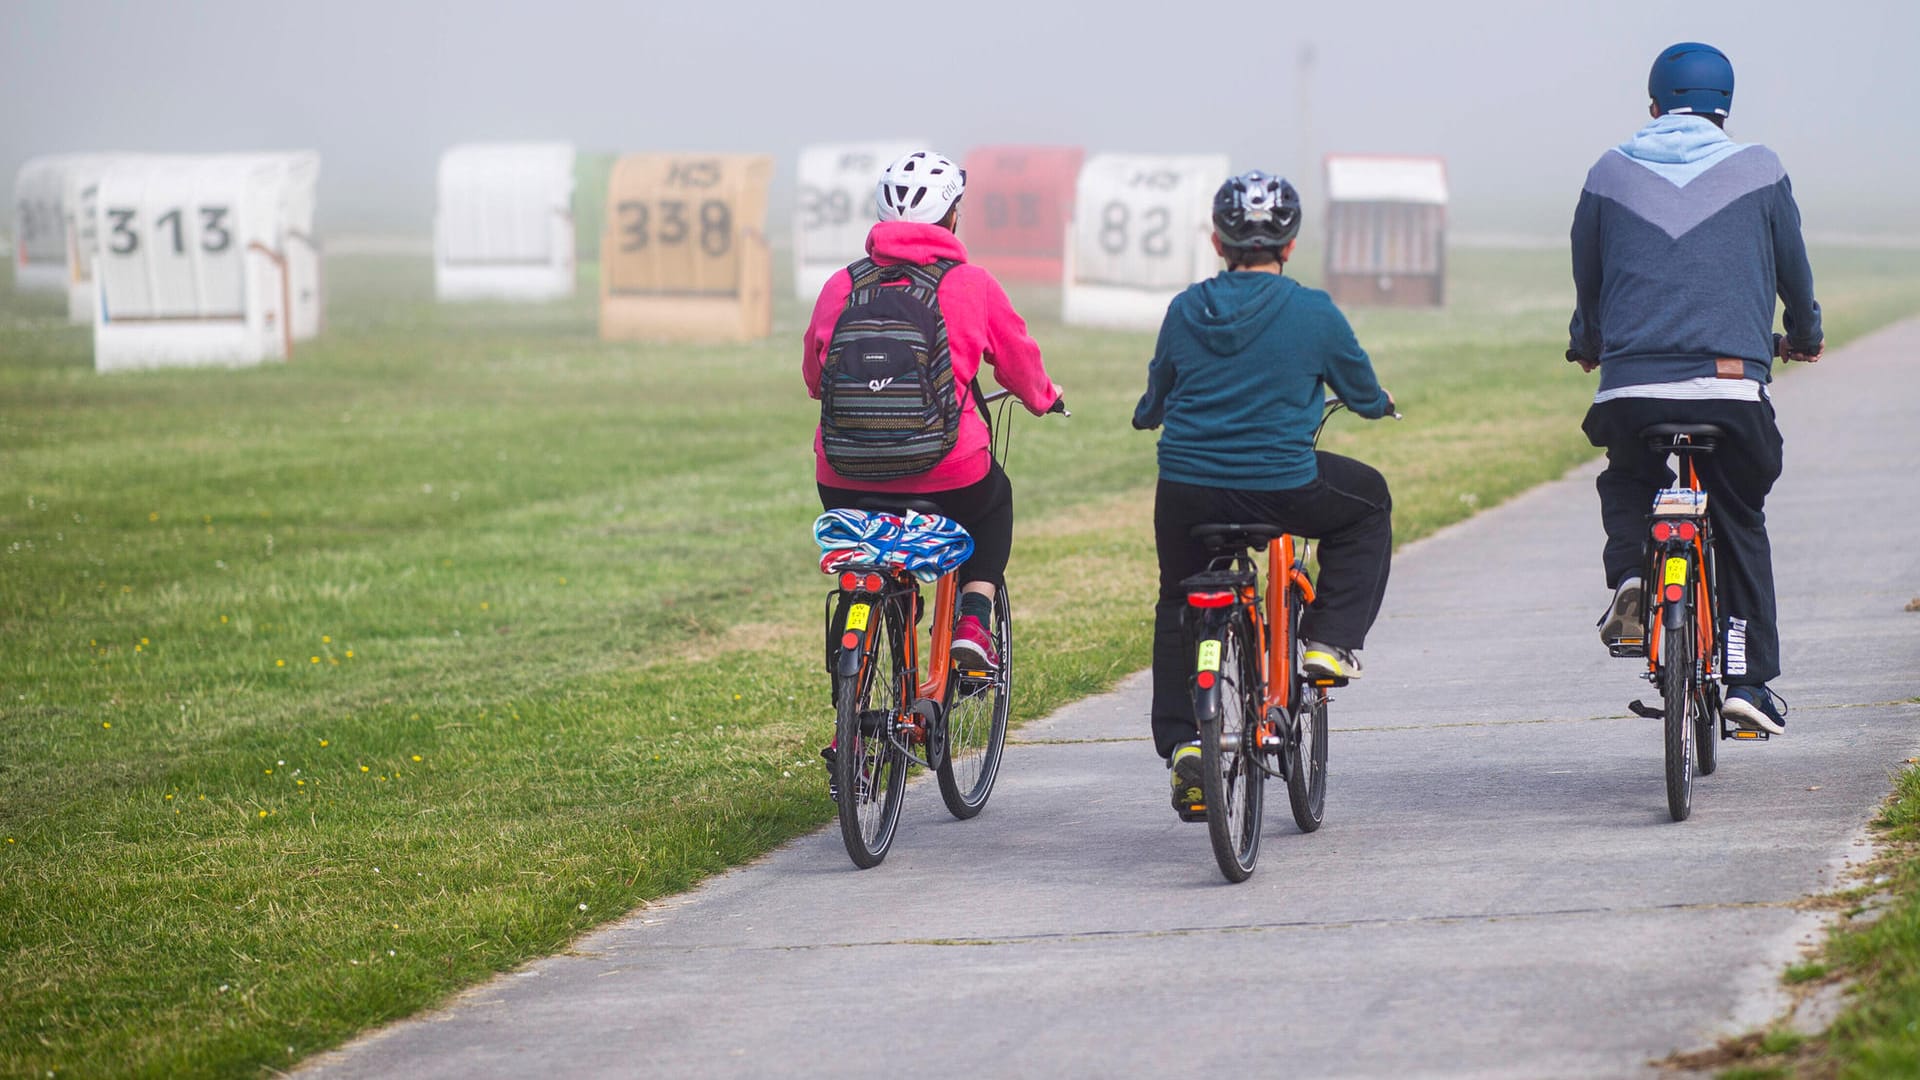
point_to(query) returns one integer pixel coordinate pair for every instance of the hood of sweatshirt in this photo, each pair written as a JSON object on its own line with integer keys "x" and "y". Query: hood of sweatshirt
{"x": 1679, "y": 147}
{"x": 913, "y": 242}
{"x": 1230, "y": 309}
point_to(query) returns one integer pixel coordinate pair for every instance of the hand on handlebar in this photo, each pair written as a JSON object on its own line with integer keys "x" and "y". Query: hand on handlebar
{"x": 1785, "y": 351}
{"x": 1059, "y": 406}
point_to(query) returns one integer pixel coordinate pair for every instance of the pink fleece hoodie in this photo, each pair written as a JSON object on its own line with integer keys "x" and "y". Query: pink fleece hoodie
{"x": 981, "y": 325}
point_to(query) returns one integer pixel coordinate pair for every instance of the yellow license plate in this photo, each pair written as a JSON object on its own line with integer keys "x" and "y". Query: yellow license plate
{"x": 1209, "y": 656}
{"x": 1676, "y": 571}
{"x": 857, "y": 616}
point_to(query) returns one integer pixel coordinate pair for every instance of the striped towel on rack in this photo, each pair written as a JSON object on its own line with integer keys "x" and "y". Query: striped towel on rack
{"x": 925, "y": 545}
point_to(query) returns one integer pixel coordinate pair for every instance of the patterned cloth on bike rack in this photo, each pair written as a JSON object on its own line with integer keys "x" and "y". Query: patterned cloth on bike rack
{"x": 925, "y": 545}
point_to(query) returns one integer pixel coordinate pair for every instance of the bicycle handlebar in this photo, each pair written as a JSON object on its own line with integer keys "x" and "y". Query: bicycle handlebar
{"x": 1059, "y": 404}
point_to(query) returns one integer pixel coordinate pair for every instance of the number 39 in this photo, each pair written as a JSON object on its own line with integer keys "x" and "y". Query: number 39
{"x": 214, "y": 236}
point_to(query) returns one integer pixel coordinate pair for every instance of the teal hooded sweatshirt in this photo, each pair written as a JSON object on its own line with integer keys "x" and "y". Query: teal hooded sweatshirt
{"x": 1238, "y": 380}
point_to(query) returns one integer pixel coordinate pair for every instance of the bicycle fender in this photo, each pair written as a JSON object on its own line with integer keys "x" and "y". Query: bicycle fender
{"x": 1677, "y": 571}
{"x": 1206, "y": 652}
{"x": 854, "y": 629}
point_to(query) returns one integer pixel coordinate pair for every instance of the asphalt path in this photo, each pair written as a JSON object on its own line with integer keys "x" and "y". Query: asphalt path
{"x": 1497, "y": 891}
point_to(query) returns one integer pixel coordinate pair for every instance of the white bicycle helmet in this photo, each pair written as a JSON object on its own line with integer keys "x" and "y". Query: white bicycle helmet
{"x": 922, "y": 187}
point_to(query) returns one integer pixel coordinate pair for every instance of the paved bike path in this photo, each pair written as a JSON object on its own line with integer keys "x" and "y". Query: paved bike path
{"x": 1497, "y": 890}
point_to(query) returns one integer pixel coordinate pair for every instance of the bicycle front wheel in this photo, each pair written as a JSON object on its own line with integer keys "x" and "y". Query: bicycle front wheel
{"x": 869, "y": 765}
{"x": 1677, "y": 688}
{"x": 1231, "y": 778}
{"x": 976, "y": 722}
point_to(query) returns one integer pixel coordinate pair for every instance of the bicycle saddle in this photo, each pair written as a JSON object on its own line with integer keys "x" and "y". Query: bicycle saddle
{"x": 1239, "y": 537}
{"x": 1697, "y": 431}
{"x": 896, "y": 504}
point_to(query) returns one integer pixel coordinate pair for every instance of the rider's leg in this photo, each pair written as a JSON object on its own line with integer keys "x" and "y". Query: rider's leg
{"x": 1738, "y": 475}
{"x": 1350, "y": 511}
{"x": 1177, "y": 508}
{"x": 1627, "y": 485}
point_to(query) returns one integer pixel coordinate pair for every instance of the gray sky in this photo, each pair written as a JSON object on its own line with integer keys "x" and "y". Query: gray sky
{"x": 1520, "y": 97}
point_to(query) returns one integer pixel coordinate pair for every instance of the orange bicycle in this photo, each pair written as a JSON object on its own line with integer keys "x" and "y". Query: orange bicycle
{"x": 1258, "y": 711}
{"x": 888, "y": 715}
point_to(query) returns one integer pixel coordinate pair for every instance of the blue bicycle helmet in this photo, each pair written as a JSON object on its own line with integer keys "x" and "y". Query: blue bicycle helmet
{"x": 1692, "y": 78}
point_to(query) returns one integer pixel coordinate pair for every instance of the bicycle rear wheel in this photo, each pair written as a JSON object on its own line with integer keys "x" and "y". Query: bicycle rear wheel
{"x": 1231, "y": 778}
{"x": 1706, "y": 722}
{"x": 869, "y": 766}
{"x": 976, "y": 722}
{"x": 1678, "y": 689}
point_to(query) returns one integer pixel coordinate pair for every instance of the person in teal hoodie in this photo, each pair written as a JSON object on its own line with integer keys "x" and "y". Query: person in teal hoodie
{"x": 1237, "y": 382}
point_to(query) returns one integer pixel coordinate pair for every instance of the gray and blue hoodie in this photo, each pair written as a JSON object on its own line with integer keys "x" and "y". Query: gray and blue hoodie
{"x": 1681, "y": 241}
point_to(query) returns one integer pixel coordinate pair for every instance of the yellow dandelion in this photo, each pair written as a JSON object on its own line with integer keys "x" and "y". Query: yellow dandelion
{"x": 206, "y": 519}
{"x": 9, "y": 839}
{"x": 416, "y": 757}
{"x": 203, "y": 798}
{"x": 92, "y": 642}
{"x": 563, "y": 581}
{"x": 263, "y": 813}
{"x": 736, "y": 697}
{"x": 415, "y": 716}
{"x": 106, "y": 723}
{"x": 313, "y": 659}
{"x": 296, "y": 783}
{"x": 326, "y": 639}
{"x": 139, "y": 648}
{"x": 223, "y": 619}
{"x": 269, "y": 772}
{"x": 484, "y": 606}
{"x": 144, "y": 641}
{"x": 349, "y": 654}
{"x": 334, "y": 660}
{"x": 126, "y": 588}
{"x": 323, "y": 742}
{"x": 363, "y": 768}
{"x": 169, "y": 798}
{"x": 155, "y": 516}
{"x": 279, "y": 663}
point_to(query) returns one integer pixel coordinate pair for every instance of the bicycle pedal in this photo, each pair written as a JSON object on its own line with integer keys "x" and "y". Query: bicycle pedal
{"x": 1328, "y": 681}
{"x": 1194, "y": 813}
{"x": 1749, "y": 735}
{"x": 1628, "y": 647}
{"x": 1641, "y": 708}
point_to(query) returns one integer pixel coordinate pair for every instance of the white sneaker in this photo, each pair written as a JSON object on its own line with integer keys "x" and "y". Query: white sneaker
{"x": 1330, "y": 661}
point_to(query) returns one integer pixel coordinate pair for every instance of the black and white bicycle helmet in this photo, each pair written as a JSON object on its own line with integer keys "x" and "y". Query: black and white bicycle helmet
{"x": 1256, "y": 210}
{"x": 921, "y": 186}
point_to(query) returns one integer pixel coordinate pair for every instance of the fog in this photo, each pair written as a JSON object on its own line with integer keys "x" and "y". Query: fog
{"x": 1520, "y": 97}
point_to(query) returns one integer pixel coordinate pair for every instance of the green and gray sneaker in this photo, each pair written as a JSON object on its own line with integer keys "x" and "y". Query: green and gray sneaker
{"x": 1188, "y": 802}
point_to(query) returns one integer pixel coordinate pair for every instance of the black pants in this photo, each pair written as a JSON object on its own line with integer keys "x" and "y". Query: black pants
{"x": 1737, "y": 477}
{"x": 983, "y": 508}
{"x": 1347, "y": 508}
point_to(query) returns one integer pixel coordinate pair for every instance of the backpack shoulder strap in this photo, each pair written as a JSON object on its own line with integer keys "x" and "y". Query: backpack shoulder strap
{"x": 864, "y": 272}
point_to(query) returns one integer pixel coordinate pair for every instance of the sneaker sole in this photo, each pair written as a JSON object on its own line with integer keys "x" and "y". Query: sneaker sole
{"x": 1750, "y": 718}
{"x": 1325, "y": 667}
{"x": 967, "y": 653}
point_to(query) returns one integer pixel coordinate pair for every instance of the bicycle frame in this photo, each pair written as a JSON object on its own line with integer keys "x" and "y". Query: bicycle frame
{"x": 852, "y": 656}
{"x": 1691, "y": 575}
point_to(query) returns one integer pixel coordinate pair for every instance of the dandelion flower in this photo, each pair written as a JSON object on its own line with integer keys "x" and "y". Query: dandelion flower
{"x": 416, "y": 757}
{"x": 155, "y": 516}
{"x": 269, "y": 772}
{"x": 223, "y": 619}
{"x": 326, "y": 639}
{"x": 169, "y": 798}
{"x": 203, "y": 798}
{"x": 484, "y": 606}
{"x": 313, "y": 660}
{"x": 143, "y": 641}
{"x": 138, "y": 648}
{"x": 279, "y": 663}
{"x": 263, "y": 813}
{"x": 349, "y": 654}
{"x": 106, "y": 723}
{"x": 323, "y": 742}
{"x": 296, "y": 783}
{"x": 363, "y": 768}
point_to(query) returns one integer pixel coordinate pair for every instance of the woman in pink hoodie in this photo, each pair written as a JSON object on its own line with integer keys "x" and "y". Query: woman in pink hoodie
{"x": 918, "y": 199}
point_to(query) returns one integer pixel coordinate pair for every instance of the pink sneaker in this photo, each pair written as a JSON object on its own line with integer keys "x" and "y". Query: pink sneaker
{"x": 973, "y": 645}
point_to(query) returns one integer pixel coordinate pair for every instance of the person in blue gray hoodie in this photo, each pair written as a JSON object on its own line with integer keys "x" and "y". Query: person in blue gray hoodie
{"x": 1238, "y": 379}
{"x": 1681, "y": 240}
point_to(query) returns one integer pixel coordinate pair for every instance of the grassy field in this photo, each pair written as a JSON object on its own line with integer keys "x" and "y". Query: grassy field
{"x": 330, "y": 687}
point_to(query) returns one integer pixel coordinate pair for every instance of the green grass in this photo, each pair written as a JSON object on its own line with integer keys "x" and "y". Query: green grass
{"x": 328, "y": 688}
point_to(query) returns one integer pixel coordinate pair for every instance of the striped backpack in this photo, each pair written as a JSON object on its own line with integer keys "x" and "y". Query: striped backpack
{"x": 887, "y": 403}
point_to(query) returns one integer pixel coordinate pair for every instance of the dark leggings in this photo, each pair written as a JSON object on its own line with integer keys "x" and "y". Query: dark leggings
{"x": 984, "y": 509}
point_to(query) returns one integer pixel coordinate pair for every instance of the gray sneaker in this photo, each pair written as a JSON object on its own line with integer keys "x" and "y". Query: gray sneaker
{"x": 1329, "y": 661}
{"x": 1626, "y": 616}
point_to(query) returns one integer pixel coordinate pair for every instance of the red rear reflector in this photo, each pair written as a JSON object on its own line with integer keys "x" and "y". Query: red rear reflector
{"x": 849, "y": 581}
{"x": 1205, "y": 679}
{"x": 1673, "y": 594}
{"x": 1211, "y": 599}
{"x": 1688, "y": 530}
{"x": 873, "y": 583}
{"x": 850, "y": 640}
{"x": 1662, "y": 530}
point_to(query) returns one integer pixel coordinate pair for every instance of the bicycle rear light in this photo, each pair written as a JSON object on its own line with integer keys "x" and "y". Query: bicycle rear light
{"x": 1212, "y": 599}
{"x": 872, "y": 583}
{"x": 1674, "y": 592}
{"x": 849, "y": 581}
{"x": 1661, "y": 531}
{"x": 1204, "y": 680}
{"x": 850, "y": 640}
{"x": 1687, "y": 530}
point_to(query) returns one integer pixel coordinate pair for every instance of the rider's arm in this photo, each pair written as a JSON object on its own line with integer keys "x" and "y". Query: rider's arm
{"x": 1349, "y": 372}
{"x": 1583, "y": 333}
{"x": 1014, "y": 354}
{"x": 1794, "y": 274}
{"x": 826, "y": 311}
{"x": 1153, "y": 404}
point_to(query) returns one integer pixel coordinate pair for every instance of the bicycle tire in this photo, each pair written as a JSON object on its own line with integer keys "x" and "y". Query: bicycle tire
{"x": 1231, "y": 778}
{"x": 869, "y": 766}
{"x": 975, "y": 718}
{"x": 1307, "y": 756}
{"x": 1677, "y": 689}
